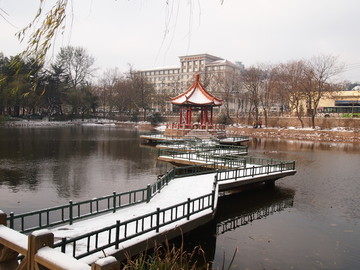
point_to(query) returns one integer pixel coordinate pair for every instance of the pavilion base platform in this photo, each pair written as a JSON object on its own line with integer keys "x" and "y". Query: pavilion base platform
{"x": 204, "y": 134}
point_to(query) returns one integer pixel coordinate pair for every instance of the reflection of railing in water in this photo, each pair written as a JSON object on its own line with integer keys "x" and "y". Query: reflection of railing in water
{"x": 233, "y": 223}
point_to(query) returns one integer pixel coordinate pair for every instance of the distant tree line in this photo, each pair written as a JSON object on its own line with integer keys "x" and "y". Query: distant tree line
{"x": 65, "y": 89}
{"x": 295, "y": 87}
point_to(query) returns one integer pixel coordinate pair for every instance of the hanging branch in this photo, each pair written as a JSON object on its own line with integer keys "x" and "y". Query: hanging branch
{"x": 42, "y": 38}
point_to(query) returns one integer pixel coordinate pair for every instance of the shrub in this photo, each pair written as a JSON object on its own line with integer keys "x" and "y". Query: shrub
{"x": 134, "y": 117}
{"x": 224, "y": 119}
{"x": 155, "y": 118}
{"x": 350, "y": 115}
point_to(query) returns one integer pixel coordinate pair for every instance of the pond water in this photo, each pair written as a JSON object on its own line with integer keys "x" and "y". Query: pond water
{"x": 308, "y": 221}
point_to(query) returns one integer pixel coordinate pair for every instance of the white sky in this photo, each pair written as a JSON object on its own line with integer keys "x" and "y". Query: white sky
{"x": 122, "y": 32}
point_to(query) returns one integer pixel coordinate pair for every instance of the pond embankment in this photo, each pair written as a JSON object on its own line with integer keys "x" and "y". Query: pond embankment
{"x": 333, "y": 135}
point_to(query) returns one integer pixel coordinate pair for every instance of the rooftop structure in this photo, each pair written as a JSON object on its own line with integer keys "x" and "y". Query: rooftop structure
{"x": 196, "y": 98}
{"x": 196, "y": 95}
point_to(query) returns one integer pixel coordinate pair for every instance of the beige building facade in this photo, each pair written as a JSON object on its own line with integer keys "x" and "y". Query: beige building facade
{"x": 341, "y": 98}
{"x": 170, "y": 81}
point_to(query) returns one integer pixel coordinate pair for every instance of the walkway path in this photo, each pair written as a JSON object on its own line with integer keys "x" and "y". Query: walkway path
{"x": 178, "y": 191}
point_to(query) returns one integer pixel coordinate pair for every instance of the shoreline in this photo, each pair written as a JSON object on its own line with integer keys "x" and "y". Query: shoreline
{"x": 307, "y": 134}
{"x": 331, "y": 136}
{"x": 146, "y": 126}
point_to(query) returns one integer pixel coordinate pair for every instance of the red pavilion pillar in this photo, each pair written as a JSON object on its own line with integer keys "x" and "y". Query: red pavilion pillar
{"x": 180, "y": 120}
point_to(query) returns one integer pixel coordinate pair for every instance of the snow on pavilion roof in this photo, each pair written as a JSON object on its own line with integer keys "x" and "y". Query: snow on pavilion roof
{"x": 196, "y": 95}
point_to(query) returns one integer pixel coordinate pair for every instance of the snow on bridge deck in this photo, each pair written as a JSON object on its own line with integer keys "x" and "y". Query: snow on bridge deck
{"x": 177, "y": 191}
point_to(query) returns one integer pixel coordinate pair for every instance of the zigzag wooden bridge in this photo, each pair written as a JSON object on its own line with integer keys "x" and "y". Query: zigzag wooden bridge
{"x": 80, "y": 233}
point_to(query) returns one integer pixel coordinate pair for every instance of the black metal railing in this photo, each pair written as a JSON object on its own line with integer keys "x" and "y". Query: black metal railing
{"x": 112, "y": 236}
{"x": 255, "y": 170}
{"x": 74, "y": 211}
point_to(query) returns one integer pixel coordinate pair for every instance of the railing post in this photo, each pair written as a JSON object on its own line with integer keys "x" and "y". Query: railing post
{"x": 37, "y": 240}
{"x": 188, "y": 209}
{"x": 157, "y": 219}
{"x": 253, "y": 171}
{"x": 114, "y": 202}
{"x": 70, "y": 212}
{"x": 108, "y": 263}
{"x": 3, "y": 218}
{"x": 63, "y": 244}
{"x": 281, "y": 167}
{"x": 117, "y": 236}
{"x": 148, "y": 193}
{"x": 12, "y": 220}
{"x": 212, "y": 200}
{"x": 293, "y": 165}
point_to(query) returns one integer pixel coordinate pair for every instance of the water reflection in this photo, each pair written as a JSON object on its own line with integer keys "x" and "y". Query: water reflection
{"x": 254, "y": 205}
{"x": 319, "y": 231}
{"x": 296, "y": 145}
{"x": 43, "y": 167}
{"x": 238, "y": 210}
{"x": 60, "y": 163}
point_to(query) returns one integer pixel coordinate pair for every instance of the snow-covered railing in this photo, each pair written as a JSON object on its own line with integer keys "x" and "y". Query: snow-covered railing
{"x": 50, "y": 217}
{"x": 194, "y": 146}
{"x": 237, "y": 173}
{"x": 113, "y": 235}
{"x": 204, "y": 156}
{"x": 71, "y": 212}
{"x": 37, "y": 253}
{"x": 235, "y": 139}
{"x": 160, "y": 136}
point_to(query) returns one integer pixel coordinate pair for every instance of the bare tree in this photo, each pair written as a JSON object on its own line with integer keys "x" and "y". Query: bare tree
{"x": 252, "y": 79}
{"x": 317, "y": 81}
{"x": 123, "y": 96}
{"x": 291, "y": 75}
{"x": 107, "y": 90}
{"x": 270, "y": 87}
{"x": 227, "y": 86}
{"x": 142, "y": 91}
{"x": 77, "y": 65}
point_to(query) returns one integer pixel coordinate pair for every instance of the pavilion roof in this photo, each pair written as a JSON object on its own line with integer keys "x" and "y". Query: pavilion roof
{"x": 196, "y": 95}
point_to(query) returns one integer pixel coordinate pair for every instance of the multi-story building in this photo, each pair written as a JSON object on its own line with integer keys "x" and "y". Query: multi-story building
{"x": 170, "y": 81}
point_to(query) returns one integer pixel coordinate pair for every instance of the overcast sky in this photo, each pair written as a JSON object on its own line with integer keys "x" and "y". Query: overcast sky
{"x": 152, "y": 33}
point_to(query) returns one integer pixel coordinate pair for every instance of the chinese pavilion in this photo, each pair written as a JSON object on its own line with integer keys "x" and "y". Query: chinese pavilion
{"x": 196, "y": 99}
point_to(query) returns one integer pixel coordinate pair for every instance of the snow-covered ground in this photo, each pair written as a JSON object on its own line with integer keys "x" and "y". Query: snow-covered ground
{"x": 86, "y": 122}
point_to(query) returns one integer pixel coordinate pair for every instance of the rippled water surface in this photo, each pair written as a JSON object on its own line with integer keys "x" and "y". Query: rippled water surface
{"x": 308, "y": 221}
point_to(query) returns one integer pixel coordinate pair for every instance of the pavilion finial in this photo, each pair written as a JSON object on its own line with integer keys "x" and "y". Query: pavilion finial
{"x": 197, "y": 77}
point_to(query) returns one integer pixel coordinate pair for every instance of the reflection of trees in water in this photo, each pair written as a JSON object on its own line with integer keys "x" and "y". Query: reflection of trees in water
{"x": 296, "y": 145}
{"x": 66, "y": 142}
{"x": 71, "y": 157}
